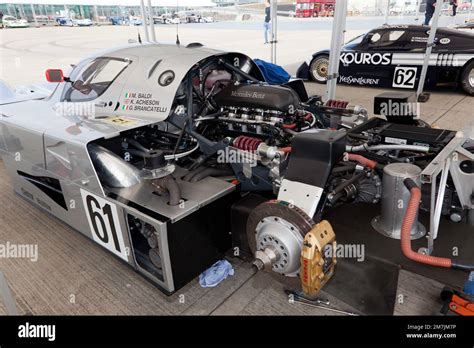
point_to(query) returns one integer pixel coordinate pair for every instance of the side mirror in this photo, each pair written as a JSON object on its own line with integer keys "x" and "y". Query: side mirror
{"x": 54, "y": 75}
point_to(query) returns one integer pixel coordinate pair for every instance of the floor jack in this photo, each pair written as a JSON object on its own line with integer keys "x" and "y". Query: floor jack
{"x": 457, "y": 302}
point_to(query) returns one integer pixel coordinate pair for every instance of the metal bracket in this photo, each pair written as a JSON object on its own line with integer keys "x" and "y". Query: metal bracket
{"x": 304, "y": 196}
{"x": 447, "y": 162}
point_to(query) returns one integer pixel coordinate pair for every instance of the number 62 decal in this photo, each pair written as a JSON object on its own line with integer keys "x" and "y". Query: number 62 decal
{"x": 104, "y": 223}
{"x": 404, "y": 77}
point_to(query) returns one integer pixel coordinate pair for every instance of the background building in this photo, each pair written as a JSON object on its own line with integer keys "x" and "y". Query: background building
{"x": 47, "y": 10}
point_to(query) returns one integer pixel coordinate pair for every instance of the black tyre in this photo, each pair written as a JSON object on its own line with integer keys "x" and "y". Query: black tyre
{"x": 319, "y": 69}
{"x": 467, "y": 78}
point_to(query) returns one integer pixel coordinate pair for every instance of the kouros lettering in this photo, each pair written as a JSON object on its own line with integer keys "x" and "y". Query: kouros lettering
{"x": 348, "y": 58}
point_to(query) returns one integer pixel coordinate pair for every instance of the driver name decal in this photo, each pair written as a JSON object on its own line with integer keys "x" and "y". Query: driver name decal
{"x": 143, "y": 102}
{"x": 348, "y": 58}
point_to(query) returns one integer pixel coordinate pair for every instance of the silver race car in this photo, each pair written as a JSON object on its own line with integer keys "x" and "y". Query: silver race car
{"x": 169, "y": 156}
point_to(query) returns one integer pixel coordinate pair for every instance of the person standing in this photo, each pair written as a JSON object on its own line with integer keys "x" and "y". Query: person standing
{"x": 430, "y": 9}
{"x": 454, "y": 4}
{"x": 1, "y": 20}
{"x": 266, "y": 24}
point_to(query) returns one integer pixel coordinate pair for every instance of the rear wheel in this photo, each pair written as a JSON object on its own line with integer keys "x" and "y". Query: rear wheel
{"x": 319, "y": 69}
{"x": 467, "y": 78}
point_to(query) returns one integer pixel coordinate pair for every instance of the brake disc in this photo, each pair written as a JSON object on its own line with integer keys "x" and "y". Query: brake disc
{"x": 275, "y": 232}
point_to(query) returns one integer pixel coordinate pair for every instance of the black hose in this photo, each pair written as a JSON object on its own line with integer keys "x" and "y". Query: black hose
{"x": 289, "y": 131}
{"x": 343, "y": 169}
{"x": 333, "y": 200}
{"x": 210, "y": 172}
{"x": 410, "y": 184}
{"x": 461, "y": 267}
{"x": 203, "y": 83}
{"x": 346, "y": 183}
{"x": 357, "y": 136}
{"x": 192, "y": 173}
{"x": 216, "y": 114}
{"x": 198, "y": 94}
{"x": 180, "y": 138}
{"x": 138, "y": 145}
{"x": 190, "y": 97}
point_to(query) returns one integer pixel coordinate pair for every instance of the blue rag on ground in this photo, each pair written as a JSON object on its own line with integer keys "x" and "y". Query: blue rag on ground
{"x": 215, "y": 274}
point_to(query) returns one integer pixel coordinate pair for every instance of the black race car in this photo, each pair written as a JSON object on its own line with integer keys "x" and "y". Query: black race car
{"x": 392, "y": 56}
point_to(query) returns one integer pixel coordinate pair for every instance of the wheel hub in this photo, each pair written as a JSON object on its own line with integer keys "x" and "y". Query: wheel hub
{"x": 284, "y": 240}
{"x": 320, "y": 70}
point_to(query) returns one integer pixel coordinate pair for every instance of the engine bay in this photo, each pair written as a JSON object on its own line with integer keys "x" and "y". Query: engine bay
{"x": 297, "y": 156}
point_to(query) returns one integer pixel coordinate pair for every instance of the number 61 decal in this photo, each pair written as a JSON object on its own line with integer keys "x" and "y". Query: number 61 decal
{"x": 104, "y": 223}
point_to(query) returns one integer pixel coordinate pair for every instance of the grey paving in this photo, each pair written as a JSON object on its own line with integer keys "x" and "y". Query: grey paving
{"x": 8, "y": 301}
{"x": 417, "y": 295}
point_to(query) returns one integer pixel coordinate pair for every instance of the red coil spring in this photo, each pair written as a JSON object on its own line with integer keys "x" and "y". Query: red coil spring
{"x": 340, "y": 104}
{"x": 245, "y": 143}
